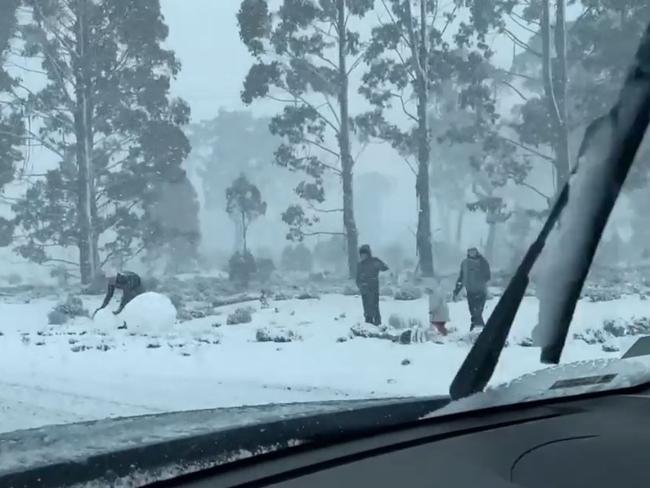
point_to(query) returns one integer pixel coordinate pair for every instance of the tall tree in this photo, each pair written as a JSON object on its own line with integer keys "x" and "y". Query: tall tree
{"x": 244, "y": 204}
{"x": 411, "y": 60}
{"x": 305, "y": 52}
{"x": 11, "y": 122}
{"x": 233, "y": 142}
{"x": 106, "y": 114}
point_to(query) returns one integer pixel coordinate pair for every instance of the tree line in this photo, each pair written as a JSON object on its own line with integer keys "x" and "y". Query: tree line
{"x": 433, "y": 92}
{"x": 425, "y": 73}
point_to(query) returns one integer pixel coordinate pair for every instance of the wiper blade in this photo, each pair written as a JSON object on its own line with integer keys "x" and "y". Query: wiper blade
{"x": 628, "y": 121}
{"x": 630, "y": 116}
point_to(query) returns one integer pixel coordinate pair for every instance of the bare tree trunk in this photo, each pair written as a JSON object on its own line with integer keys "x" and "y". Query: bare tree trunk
{"x": 244, "y": 232}
{"x": 347, "y": 162}
{"x": 564, "y": 162}
{"x": 555, "y": 86}
{"x": 87, "y": 209}
{"x": 459, "y": 226}
{"x": 489, "y": 246}
{"x": 420, "y": 55}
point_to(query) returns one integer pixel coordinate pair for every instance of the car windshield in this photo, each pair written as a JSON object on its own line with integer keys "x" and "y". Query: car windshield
{"x": 258, "y": 202}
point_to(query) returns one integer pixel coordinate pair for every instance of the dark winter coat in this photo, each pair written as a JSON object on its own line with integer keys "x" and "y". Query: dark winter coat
{"x": 474, "y": 275}
{"x": 368, "y": 271}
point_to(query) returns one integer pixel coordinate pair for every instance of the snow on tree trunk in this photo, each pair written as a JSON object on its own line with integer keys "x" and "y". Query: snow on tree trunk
{"x": 88, "y": 259}
{"x": 555, "y": 87}
{"x": 347, "y": 162}
{"x": 459, "y": 226}
{"x": 423, "y": 233}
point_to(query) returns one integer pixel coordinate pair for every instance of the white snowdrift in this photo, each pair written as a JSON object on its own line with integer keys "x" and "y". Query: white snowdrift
{"x": 151, "y": 313}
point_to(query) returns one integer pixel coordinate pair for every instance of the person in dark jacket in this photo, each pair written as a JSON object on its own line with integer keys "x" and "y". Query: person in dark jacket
{"x": 368, "y": 271}
{"x": 474, "y": 277}
{"x": 131, "y": 286}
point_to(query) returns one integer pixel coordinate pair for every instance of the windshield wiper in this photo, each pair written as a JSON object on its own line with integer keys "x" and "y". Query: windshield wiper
{"x": 629, "y": 118}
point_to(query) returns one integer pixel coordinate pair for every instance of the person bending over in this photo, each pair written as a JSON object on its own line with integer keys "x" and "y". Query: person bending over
{"x": 131, "y": 286}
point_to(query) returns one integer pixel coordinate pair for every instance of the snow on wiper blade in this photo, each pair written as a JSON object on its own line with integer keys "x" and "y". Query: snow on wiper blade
{"x": 630, "y": 119}
{"x": 597, "y": 187}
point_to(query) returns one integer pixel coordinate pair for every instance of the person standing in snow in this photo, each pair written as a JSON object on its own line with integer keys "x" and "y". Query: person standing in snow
{"x": 474, "y": 276}
{"x": 368, "y": 271}
{"x": 438, "y": 309}
{"x": 131, "y": 286}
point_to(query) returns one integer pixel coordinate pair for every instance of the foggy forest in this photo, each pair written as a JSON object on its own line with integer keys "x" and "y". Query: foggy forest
{"x": 236, "y": 155}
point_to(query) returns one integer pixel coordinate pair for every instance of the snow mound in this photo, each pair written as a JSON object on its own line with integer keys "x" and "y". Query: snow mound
{"x": 149, "y": 313}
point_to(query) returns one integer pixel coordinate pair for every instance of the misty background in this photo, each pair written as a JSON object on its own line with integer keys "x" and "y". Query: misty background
{"x": 490, "y": 182}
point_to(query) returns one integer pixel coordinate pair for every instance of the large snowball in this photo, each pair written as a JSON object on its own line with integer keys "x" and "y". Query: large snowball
{"x": 150, "y": 313}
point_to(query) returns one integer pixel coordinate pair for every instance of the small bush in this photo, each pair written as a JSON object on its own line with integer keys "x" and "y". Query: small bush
{"x": 177, "y": 300}
{"x": 407, "y": 293}
{"x": 280, "y": 335}
{"x": 240, "y": 316}
{"x": 350, "y": 291}
{"x": 72, "y": 307}
{"x": 386, "y": 291}
{"x": 308, "y": 296}
{"x": 241, "y": 267}
{"x": 56, "y": 317}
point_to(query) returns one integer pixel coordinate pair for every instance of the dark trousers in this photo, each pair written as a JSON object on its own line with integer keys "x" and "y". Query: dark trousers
{"x": 476, "y": 304}
{"x": 370, "y": 300}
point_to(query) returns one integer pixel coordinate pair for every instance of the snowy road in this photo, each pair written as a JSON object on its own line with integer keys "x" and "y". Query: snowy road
{"x": 60, "y": 374}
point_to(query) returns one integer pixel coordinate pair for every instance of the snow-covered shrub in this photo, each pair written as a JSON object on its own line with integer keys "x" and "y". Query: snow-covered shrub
{"x": 56, "y": 317}
{"x": 281, "y": 297}
{"x": 277, "y": 335}
{"x": 610, "y": 348}
{"x": 350, "y": 291}
{"x": 635, "y": 326}
{"x": 526, "y": 342}
{"x": 241, "y": 267}
{"x": 177, "y": 300}
{"x": 62, "y": 312}
{"x": 386, "y": 291}
{"x": 308, "y": 296}
{"x": 184, "y": 315}
{"x": 61, "y": 274}
{"x": 601, "y": 294}
{"x": 592, "y": 336}
{"x": 373, "y": 332}
{"x": 408, "y": 292}
{"x": 240, "y": 316}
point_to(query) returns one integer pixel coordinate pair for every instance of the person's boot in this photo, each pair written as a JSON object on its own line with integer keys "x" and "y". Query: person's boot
{"x": 440, "y": 327}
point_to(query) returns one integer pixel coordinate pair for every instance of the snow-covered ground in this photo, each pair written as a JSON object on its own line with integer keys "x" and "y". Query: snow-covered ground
{"x": 85, "y": 370}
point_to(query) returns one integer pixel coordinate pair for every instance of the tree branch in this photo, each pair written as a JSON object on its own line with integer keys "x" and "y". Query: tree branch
{"x": 513, "y": 16}
{"x": 529, "y": 149}
{"x": 515, "y": 89}
{"x": 322, "y": 147}
{"x": 408, "y": 163}
{"x": 404, "y": 109}
{"x": 321, "y": 210}
{"x": 521, "y": 43}
{"x": 532, "y": 188}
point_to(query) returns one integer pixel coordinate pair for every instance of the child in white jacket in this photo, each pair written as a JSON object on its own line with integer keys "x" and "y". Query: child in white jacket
{"x": 438, "y": 309}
